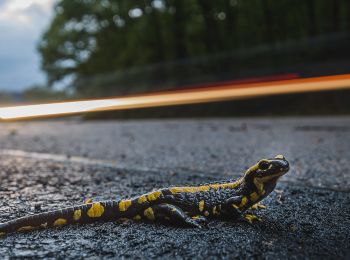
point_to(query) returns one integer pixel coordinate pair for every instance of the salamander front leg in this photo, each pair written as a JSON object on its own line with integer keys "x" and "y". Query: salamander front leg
{"x": 251, "y": 218}
{"x": 174, "y": 215}
{"x": 231, "y": 209}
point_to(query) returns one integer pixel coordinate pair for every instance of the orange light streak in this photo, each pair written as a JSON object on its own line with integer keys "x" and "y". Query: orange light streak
{"x": 179, "y": 97}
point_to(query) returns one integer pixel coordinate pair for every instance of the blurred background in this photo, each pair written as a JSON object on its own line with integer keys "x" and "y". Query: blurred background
{"x": 54, "y": 50}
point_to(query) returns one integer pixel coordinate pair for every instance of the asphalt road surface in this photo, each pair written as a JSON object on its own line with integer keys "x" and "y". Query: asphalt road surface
{"x": 50, "y": 164}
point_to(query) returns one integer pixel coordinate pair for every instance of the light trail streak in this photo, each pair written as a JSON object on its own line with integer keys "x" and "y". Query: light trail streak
{"x": 179, "y": 97}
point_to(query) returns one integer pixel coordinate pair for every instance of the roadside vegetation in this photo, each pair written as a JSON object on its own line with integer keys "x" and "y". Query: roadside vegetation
{"x": 118, "y": 47}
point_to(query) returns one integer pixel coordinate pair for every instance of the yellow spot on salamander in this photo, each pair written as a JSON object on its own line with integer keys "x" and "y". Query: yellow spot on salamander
{"x": 154, "y": 195}
{"x": 189, "y": 189}
{"x": 195, "y": 217}
{"x": 243, "y": 202}
{"x": 142, "y": 199}
{"x": 235, "y": 206}
{"x": 124, "y": 205}
{"x": 137, "y": 217}
{"x": 230, "y": 185}
{"x": 259, "y": 185}
{"x": 254, "y": 196}
{"x": 60, "y": 222}
{"x": 25, "y": 228}
{"x": 201, "y": 205}
{"x": 96, "y": 210}
{"x": 149, "y": 214}
{"x": 77, "y": 214}
{"x": 206, "y": 213}
{"x": 2, "y": 234}
{"x": 280, "y": 156}
{"x": 149, "y": 197}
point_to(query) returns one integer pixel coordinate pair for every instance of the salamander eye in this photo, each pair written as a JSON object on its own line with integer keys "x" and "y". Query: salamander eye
{"x": 264, "y": 165}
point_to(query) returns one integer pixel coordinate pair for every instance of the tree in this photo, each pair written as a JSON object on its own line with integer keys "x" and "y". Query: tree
{"x": 111, "y": 47}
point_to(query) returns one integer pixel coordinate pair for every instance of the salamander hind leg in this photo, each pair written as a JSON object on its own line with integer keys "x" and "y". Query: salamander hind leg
{"x": 174, "y": 215}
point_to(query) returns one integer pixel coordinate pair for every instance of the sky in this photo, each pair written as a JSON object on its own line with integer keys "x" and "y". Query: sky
{"x": 21, "y": 24}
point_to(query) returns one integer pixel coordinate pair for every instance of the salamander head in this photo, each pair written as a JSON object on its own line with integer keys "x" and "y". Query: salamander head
{"x": 265, "y": 173}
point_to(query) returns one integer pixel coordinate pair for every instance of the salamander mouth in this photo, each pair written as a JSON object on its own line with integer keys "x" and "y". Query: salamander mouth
{"x": 272, "y": 176}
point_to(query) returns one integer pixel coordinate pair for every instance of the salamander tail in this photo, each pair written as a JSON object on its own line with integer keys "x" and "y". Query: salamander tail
{"x": 86, "y": 213}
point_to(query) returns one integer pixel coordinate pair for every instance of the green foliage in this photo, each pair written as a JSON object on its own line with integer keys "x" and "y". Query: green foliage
{"x": 43, "y": 94}
{"x": 127, "y": 46}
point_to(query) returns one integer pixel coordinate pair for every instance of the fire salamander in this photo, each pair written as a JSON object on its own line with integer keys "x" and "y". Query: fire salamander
{"x": 187, "y": 206}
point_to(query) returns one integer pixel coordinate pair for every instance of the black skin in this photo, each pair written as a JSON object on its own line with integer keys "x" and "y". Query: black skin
{"x": 186, "y": 206}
